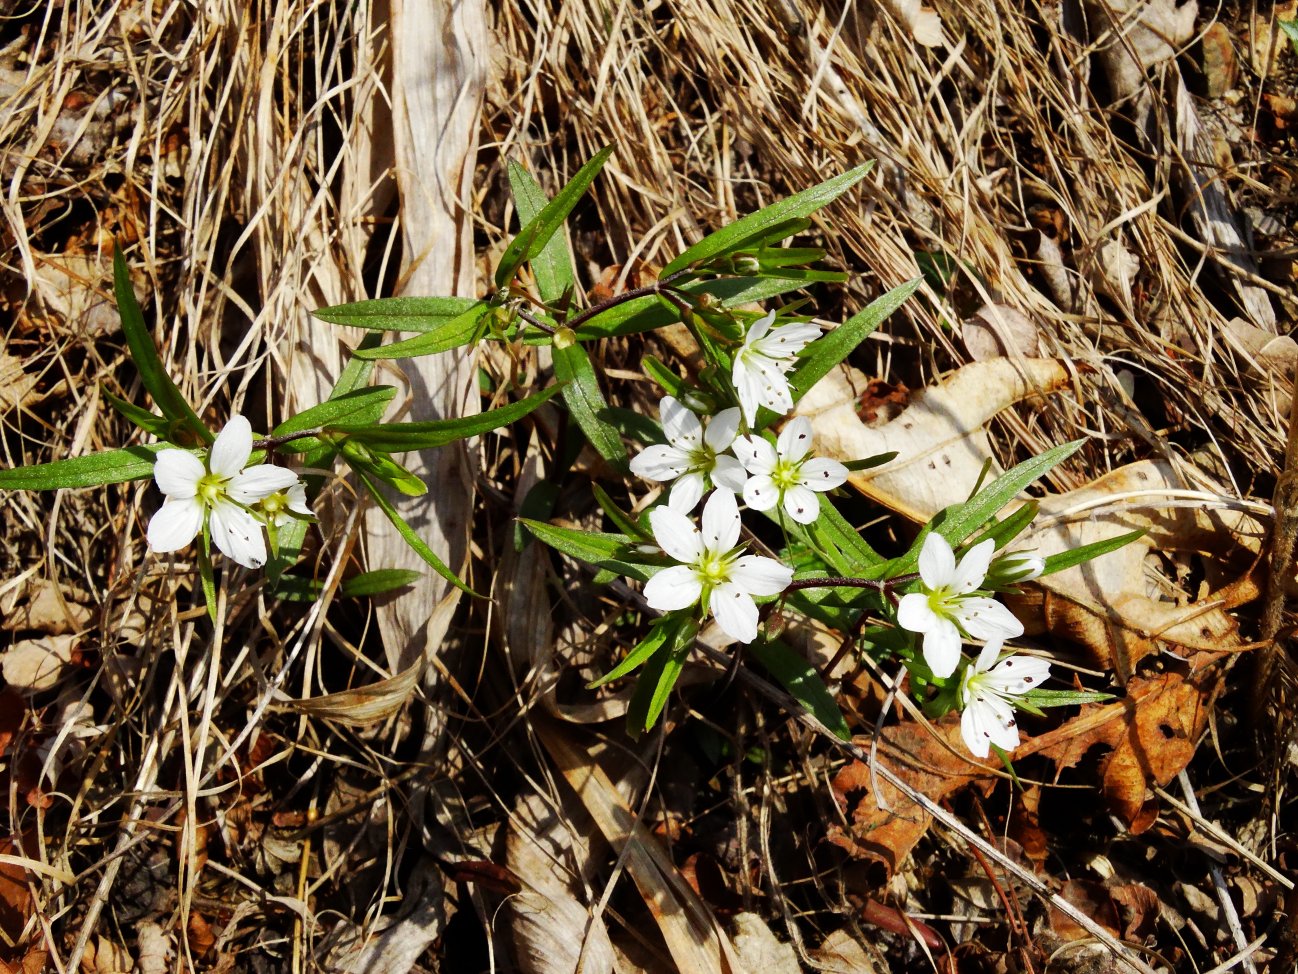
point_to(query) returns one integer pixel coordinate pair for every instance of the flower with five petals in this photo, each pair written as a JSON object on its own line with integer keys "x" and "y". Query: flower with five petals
{"x": 692, "y": 456}
{"x": 219, "y": 492}
{"x": 761, "y": 362}
{"x": 986, "y": 693}
{"x": 784, "y": 473}
{"x": 713, "y": 569}
{"x": 945, "y": 610}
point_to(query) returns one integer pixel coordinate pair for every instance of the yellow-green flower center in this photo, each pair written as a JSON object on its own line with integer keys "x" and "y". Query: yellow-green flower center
{"x": 713, "y": 569}
{"x": 275, "y": 504}
{"x": 211, "y": 488}
{"x": 785, "y": 475}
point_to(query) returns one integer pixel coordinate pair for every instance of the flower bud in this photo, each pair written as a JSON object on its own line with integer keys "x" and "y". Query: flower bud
{"x": 747, "y": 264}
{"x": 564, "y": 338}
{"x": 705, "y": 300}
{"x": 1012, "y": 567}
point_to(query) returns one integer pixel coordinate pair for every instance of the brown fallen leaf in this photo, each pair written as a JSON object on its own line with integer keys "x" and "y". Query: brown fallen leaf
{"x": 886, "y": 830}
{"x": 1152, "y": 735}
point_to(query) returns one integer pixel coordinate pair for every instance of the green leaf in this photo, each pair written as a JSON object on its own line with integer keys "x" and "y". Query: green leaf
{"x": 285, "y": 550}
{"x": 357, "y": 371}
{"x": 378, "y": 582}
{"x": 802, "y": 681}
{"x": 624, "y": 521}
{"x": 869, "y": 463}
{"x": 397, "y": 314}
{"x": 964, "y": 519}
{"x": 634, "y": 425}
{"x": 832, "y": 348}
{"x": 383, "y": 467}
{"x": 92, "y": 470}
{"x": 664, "y": 630}
{"x": 360, "y": 406}
{"x": 159, "y": 426}
{"x": 553, "y": 265}
{"x": 733, "y": 237}
{"x": 398, "y": 437}
{"x": 656, "y": 682}
{"x": 538, "y": 505}
{"x": 1041, "y": 697}
{"x": 832, "y": 532}
{"x": 1006, "y": 530}
{"x": 1068, "y": 559}
{"x": 652, "y": 311}
{"x": 586, "y": 402}
{"x": 1290, "y": 27}
{"x": 669, "y": 381}
{"x": 536, "y": 233}
{"x": 458, "y": 331}
{"x": 407, "y": 533}
{"x": 607, "y": 551}
{"x": 144, "y": 357}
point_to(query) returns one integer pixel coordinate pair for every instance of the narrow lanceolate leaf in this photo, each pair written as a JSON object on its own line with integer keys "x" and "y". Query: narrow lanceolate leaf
{"x": 378, "y": 582}
{"x": 645, "y": 314}
{"x": 109, "y": 467}
{"x": 586, "y": 402}
{"x": 746, "y": 229}
{"x": 461, "y": 330}
{"x": 609, "y": 551}
{"x": 381, "y": 466}
{"x": 536, "y": 233}
{"x": 158, "y": 426}
{"x": 144, "y": 356}
{"x": 357, "y": 370}
{"x": 655, "y": 685}
{"x": 966, "y": 518}
{"x": 664, "y": 630}
{"x": 397, "y": 314}
{"x": 407, "y": 533}
{"x": 853, "y": 554}
{"x": 552, "y": 267}
{"x": 832, "y": 348}
{"x": 398, "y": 437}
{"x": 802, "y": 681}
{"x": 624, "y": 521}
{"x": 362, "y": 407}
{"x": 1076, "y": 556}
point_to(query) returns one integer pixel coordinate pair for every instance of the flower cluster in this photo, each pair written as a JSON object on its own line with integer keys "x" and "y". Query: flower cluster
{"x": 953, "y": 600}
{"x": 233, "y": 500}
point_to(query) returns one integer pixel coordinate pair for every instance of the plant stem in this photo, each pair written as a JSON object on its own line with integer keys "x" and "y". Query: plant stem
{"x": 657, "y": 287}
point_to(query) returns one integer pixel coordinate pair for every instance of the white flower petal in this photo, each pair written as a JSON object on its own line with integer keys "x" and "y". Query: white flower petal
{"x": 729, "y": 473}
{"x": 821, "y": 473}
{"x": 985, "y": 618}
{"x": 795, "y": 439}
{"x": 988, "y": 720}
{"x": 760, "y": 493}
{"x": 676, "y": 534}
{"x": 682, "y": 427}
{"x": 175, "y": 524}
{"x": 942, "y": 648}
{"x": 721, "y": 522}
{"x": 757, "y": 456}
{"x": 936, "y": 561}
{"x": 748, "y": 387}
{"x": 787, "y": 340}
{"x": 759, "y": 328}
{"x": 801, "y": 504}
{"x": 297, "y": 501}
{"x": 759, "y": 575}
{"x": 971, "y": 571}
{"x": 178, "y": 473}
{"x": 974, "y": 731}
{"x": 987, "y": 658}
{"x": 686, "y": 493}
{"x": 1017, "y": 675}
{"x": 260, "y": 481}
{"x": 775, "y": 394}
{"x": 673, "y": 588}
{"x": 232, "y": 448}
{"x": 237, "y": 533}
{"x": 722, "y": 429}
{"x": 660, "y": 463}
{"x": 735, "y": 612}
{"x": 915, "y": 613}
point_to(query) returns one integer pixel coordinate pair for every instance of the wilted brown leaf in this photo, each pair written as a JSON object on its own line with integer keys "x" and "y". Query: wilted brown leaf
{"x": 1152, "y": 734}
{"x": 886, "y": 830}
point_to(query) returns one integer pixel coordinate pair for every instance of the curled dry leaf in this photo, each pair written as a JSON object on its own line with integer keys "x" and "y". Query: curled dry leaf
{"x": 1151, "y": 736}
{"x": 884, "y": 827}
{"x": 39, "y": 605}
{"x": 999, "y": 330}
{"x": 842, "y": 954}
{"x": 760, "y": 950}
{"x": 33, "y": 665}
{"x": 363, "y": 706}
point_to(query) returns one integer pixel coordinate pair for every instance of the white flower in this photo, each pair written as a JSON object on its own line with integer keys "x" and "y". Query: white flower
{"x": 713, "y": 570}
{"x": 691, "y": 456}
{"x": 985, "y": 693}
{"x": 762, "y": 361}
{"x": 945, "y": 611}
{"x": 280, "y": 506}
{"x": 784, "y": 472}
{"x": 1010, "y": 567}
{"x": 219, "y": 492}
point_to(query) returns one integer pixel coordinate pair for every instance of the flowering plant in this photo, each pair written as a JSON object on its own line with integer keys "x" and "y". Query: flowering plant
{"x": 726, "y": 433}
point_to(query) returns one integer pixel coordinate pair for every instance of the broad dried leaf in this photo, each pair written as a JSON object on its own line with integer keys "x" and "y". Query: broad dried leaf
{"x": 363, "y": 706}
{"x": 39, "y": 605}
{"x": 1151, "y": 736}
{"x": 885, "y": 827}
{"x": 33, "y": 665}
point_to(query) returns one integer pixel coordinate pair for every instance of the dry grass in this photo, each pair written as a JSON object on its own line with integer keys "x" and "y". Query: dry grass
{"x": 234, "y": 151}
